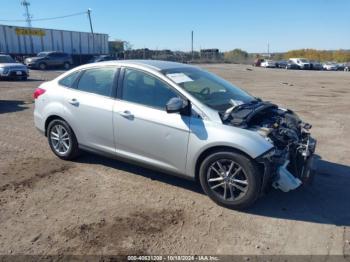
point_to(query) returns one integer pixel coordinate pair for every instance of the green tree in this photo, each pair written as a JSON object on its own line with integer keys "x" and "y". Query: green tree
{"x": 236, "y": 56}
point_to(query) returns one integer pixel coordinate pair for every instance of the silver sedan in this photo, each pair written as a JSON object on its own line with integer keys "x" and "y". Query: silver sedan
{"x": 179, "y": 119}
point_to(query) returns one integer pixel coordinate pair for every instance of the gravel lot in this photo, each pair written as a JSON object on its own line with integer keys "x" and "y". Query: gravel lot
{"x": 101, "y": 206}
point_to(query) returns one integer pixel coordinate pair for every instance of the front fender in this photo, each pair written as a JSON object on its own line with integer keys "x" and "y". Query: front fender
{"x": 205, "y": 135}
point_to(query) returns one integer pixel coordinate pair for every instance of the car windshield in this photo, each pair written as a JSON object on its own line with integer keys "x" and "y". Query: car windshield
{"x": 6, "y": 59}
{"x": 208, "y": 88}
{"x": 42, "y": 54}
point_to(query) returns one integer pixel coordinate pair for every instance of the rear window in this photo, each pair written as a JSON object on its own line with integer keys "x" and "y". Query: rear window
{"x": 69, "y": 80}
{"x": 97, "y": 81}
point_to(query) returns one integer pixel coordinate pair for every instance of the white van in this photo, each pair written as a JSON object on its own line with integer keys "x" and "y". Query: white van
{"x": 301, "y": 62}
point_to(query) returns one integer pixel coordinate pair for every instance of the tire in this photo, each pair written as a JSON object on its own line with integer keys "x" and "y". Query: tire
{"x": 243, "y": 170}
{"x": 66, "y": 65}
{"x": 42, "y": 66}
{"x": 64, "y": 144}
{"x": 25, "y": 78}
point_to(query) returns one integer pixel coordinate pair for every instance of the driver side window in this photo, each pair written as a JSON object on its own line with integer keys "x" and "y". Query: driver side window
{"x": 142, "y": 88}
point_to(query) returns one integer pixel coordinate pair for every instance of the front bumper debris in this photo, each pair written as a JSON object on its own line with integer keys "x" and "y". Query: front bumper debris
{"x": 284, "y": 180}
{"x": 278, "y": 169}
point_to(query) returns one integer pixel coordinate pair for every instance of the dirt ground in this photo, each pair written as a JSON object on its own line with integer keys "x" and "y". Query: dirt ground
{"x": 101, "y": 206}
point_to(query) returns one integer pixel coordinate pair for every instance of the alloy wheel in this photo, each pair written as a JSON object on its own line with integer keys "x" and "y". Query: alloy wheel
{"x": 60, "y": 139}
{"x": 227, "y": 180}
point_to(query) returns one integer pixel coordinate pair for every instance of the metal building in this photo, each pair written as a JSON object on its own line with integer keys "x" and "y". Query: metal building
{"x": 23, "y": 41}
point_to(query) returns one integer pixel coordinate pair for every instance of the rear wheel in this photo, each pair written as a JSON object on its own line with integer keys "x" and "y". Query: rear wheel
{"x": 62, "y": 140}
{"x": 230, "y": 179}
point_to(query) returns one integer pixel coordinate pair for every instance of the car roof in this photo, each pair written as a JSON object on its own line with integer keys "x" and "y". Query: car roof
{"x": 158, "y": 65}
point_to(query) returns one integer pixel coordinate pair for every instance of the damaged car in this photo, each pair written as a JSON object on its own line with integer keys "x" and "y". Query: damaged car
{"x": 179, "y": 119}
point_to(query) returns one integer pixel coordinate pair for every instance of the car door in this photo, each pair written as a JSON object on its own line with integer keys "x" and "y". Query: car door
{"x": 143, "y": 130}
{"x": 51, "y": 59}
{"x": 89, "y": 108}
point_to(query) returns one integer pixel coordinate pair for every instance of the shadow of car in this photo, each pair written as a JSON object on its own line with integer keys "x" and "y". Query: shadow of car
{"x": 326, "y": 201}
{"x": 9, "y": 106}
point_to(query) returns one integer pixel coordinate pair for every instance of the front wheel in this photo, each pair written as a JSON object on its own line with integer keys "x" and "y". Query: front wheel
{"x": 66, "y": 65}
{"x": 42, "y": 66}
{"x": 62, "y": 140}
{"x": 230, "y": 179}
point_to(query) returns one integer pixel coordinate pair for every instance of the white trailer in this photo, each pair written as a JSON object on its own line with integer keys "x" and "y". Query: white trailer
{"x": 24, "y": 41}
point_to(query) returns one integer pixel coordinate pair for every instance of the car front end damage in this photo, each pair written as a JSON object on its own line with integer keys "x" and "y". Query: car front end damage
{"x": 290, "y": 162}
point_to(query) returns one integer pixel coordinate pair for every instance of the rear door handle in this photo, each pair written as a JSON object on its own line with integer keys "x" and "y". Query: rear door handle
{"x": 74, "y": 102}
{"x": 127, "y": 114}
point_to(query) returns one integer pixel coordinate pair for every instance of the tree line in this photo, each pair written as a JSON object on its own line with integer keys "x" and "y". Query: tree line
{"x": 320, "y": 55}
{"x": 241, "y": 56}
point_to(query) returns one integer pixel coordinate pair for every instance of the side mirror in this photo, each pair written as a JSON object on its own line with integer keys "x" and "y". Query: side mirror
{"x": 175, "y": 105}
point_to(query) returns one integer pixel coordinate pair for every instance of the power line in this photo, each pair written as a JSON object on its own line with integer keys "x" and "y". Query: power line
{"x": 44, "y": 19}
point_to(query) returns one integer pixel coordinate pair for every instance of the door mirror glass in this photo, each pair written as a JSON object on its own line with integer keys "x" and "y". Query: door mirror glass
{"x": 175, "y": 105}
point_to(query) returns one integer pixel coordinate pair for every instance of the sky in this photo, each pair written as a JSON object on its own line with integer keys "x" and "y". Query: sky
{"x": 224, "y": 24}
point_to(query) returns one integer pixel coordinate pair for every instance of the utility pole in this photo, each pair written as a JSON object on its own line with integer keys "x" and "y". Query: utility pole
{"x": 92, "y": 30}
{"x": 28, "y": 17}
{"x": 192, "y": 44}
{"x": 268, "y": 49}
{"x": 89, "y": 15}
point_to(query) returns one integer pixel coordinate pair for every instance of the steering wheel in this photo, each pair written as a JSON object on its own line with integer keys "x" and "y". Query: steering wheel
{"x": 205, "y": 91}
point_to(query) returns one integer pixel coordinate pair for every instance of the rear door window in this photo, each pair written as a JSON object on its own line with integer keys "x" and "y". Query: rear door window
{"x": 97, "y": 81}
{"x": 69, "y": 80}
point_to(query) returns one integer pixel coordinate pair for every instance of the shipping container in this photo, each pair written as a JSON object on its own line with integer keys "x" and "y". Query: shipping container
{"x": 25, "y": 41}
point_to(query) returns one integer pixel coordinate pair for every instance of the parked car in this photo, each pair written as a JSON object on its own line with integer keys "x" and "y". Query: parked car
{"x": 292, "y": 65}
{"x": 45, "y": 60}
{"x": 258, "y": 61}
{"x": 330, "y": 66}
{"x": 10, "y": 69}
{"x": 101, "y": 58}
{"x": 180, "y": 119}
{"x": 315, "y": 65}
{"x": 268, "y": 64}
{"x": 281, "y": 64}
{"x": 347, "y": 67}
{"x": 340, "y": 67}
{"x": 301, "y": 62}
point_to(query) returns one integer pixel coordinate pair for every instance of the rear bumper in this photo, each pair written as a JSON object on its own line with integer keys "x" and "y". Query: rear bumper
{"x": 39, "y": 122}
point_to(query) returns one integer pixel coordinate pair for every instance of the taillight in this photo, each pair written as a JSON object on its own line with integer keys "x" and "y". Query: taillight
{"x": 38, "y": 92}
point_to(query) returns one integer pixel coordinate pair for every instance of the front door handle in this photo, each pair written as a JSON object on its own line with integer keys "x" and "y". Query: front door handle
{"x": 74, "y": 102}
{"x": 127, "y": 114}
